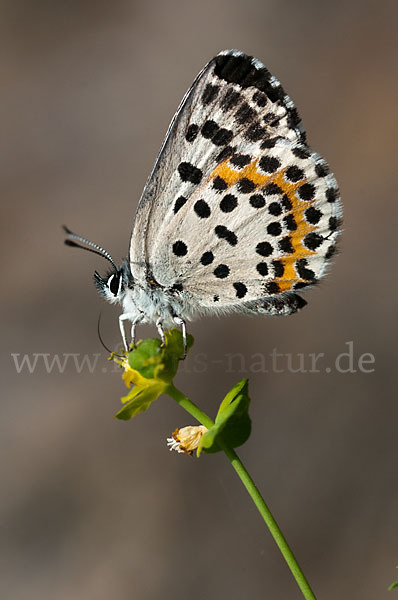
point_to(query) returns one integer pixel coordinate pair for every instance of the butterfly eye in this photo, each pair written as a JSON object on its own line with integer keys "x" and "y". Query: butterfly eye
{"x": 113, "y": 283}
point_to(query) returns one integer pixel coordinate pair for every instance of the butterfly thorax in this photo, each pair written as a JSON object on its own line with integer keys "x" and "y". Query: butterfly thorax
{"x": 155, "y": 303}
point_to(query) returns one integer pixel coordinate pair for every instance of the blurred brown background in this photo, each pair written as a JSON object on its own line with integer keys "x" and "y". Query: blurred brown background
{"x": 93, "y": 508}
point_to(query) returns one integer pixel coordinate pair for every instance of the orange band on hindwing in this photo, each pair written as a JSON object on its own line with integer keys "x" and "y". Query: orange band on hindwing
{"x": 260, "y": 180}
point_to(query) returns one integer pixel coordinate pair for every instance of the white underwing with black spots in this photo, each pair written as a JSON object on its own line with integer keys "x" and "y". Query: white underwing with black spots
{"x": 238, "y": 212}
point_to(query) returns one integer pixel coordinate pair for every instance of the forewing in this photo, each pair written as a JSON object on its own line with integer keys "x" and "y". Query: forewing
{"x": 238, "y": 208}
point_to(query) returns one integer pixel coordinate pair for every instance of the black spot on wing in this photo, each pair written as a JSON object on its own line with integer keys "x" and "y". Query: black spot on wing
{"x": 269, "y": 164}
{"x": 334, "y": 223}
{"x": 241, "y": 289}
{"x": 262, "y": 268}
{"x": 264, "y": 249}
{"x": 272, "y": 287}
{"x": 269, "y": 143}
{"x": 189, "y": 172}
{"x": 301, "y": 152}
{"x": 313, "y": 240}
{"x": 255, "y": 132}
{"x": 242, "y": 70}
{"x": 202, "y": 209}
{"x": 286, "y": 203}
{"x": 179, "y": 203}
{"x": 179, "y": 248}
{"x": 330, "y": 252}
{"x": 274, "y": 228}
{"x": 290, "y": 222}
{"x": 279, "y": 269}
{"x": 221, "y": 271}
{"x": 219, "y": 136}
{"x": 228, "y": 203}
{"x": 303, "y": 271}
{"x": 219, "y": 184}
{"x": 210, "y": 93}
{"x": 313, "y": 215}
{"x": 275, "y": 209}
{"x": 257, "y": 201}
{"x": 285, "y": 245}
{"x": 225, "y": 154}
{"x": 294, "y": 174}
{"x": 321, "y": 169}
{"x": 246, "y": 186}
{"x": 207, "y": 258}
{"x": 306, "y": 191}
{"x": 230, "y": 99}
{"x": 209, "y": 129}
{"x": 331, "y": 195}
{"x": 245, "y": 114}
{"x": 223, "y": 137}
{"x": 191, "y": 133}
{"x": 240, "y": 160}
{"x": 260, "y": 99}
{"x": 223, "y": 233}
{"x": 272, "y": 189}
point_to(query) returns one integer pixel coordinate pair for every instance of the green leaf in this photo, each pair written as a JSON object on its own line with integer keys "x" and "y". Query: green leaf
{"x": 146, "y": 357}
{"x": 156, "y": 361}
{"x": 175, "y": 343}
{"x": 393, "y": 586}
{"x": 150, "y": 367}
{"x": 139, "y": 400}
{"x": 232, "y": 425}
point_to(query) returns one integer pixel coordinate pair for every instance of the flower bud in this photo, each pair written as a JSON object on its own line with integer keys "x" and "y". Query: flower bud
{"x": 186, "y": 439}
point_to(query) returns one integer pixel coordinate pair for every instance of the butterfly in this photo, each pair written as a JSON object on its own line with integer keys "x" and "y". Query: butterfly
{"x": 237, "y": 214}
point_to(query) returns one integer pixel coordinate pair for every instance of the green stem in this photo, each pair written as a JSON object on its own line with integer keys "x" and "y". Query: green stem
{"x": 250, "y": 486}
{"x": 189, "y": 406}
{"x": 271, "y": 523}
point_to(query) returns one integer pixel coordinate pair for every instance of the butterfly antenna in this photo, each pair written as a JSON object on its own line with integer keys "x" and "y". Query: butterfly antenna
{"x": 95, "y": 248}
{"x": 102, "y": 341}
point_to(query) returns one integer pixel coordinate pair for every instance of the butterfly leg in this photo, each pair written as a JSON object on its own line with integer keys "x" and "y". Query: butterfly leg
{"x": 122, "y": 318}
{"x": 134, "y": 327}
{"x": 181, "y": 322}
{"x": 160, "y": 331}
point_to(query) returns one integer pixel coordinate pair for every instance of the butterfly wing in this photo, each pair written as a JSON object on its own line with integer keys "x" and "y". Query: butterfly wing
{"x": 159, "y": 192}
{"x": 238, "y": 211}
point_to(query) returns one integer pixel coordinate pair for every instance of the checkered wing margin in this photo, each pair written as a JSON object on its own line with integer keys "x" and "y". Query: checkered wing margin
{"x": 238, "y": 212}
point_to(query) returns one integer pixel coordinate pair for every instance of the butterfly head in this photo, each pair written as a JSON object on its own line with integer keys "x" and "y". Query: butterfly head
{"x": 113, "y": 286}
